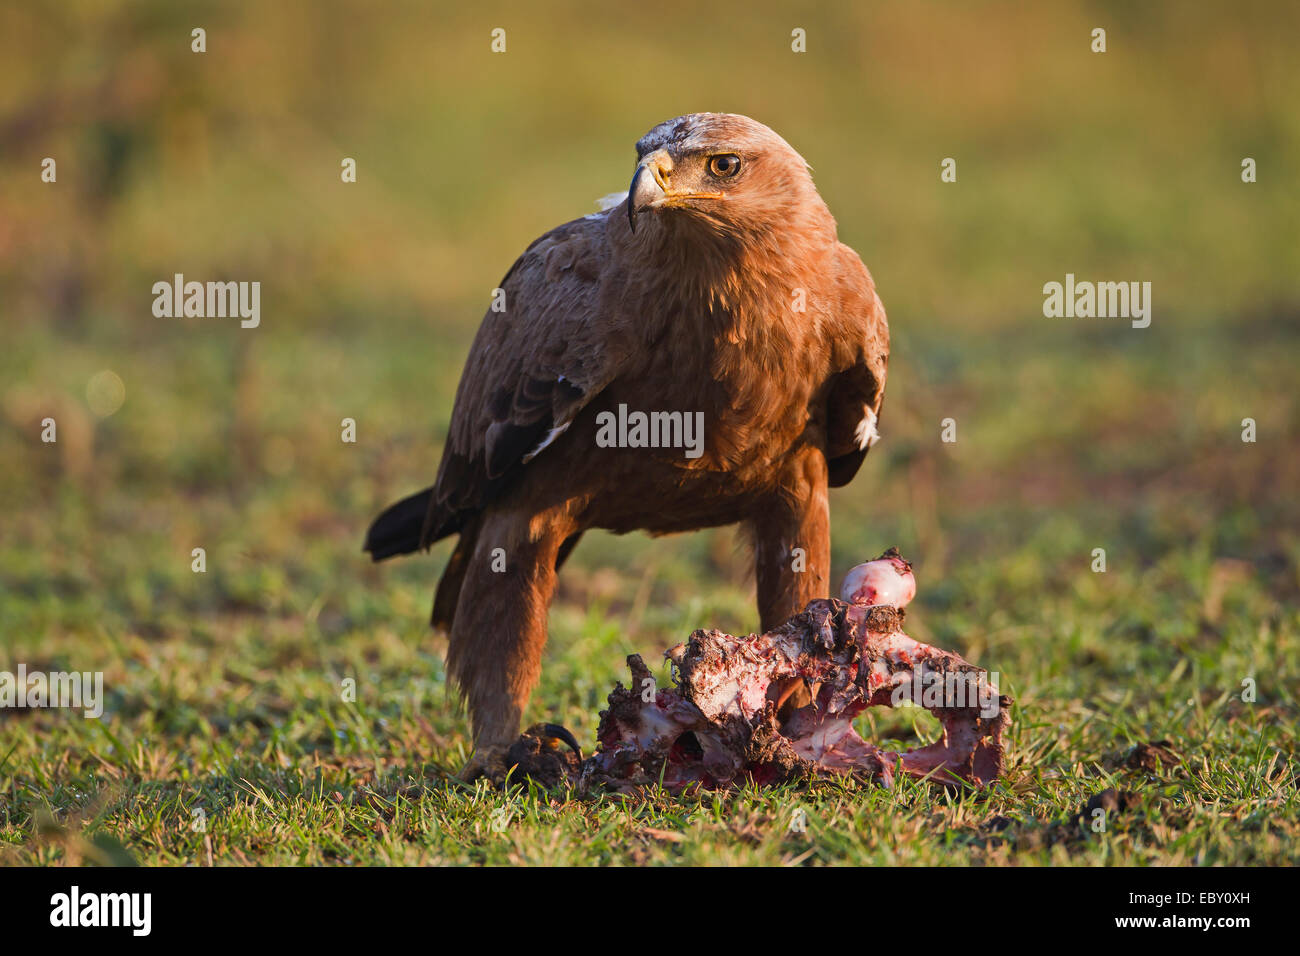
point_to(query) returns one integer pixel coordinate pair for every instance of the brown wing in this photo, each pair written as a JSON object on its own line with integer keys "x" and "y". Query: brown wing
{"x": 531, "y": 369}
{"x": 862, "y": 350}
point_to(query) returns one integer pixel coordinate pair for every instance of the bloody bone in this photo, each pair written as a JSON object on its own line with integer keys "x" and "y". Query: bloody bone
{"x": 780, "y": 705}
{"x": 886, "y": 580}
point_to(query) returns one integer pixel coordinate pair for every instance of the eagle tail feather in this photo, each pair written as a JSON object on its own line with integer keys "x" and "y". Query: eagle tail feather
{"x": 398, "y": 529}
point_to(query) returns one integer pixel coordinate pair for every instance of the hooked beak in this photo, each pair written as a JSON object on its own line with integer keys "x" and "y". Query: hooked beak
{"x": 649, "y": 184}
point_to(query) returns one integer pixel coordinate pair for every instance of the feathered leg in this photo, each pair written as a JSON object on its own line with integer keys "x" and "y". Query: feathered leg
{"x": 499, "y": 629}
{"x": 792, "y": 540}
{"x": 447, "y": 596}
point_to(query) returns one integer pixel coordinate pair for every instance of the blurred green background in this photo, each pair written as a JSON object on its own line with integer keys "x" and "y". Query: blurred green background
{"x": 1073, "y": 434}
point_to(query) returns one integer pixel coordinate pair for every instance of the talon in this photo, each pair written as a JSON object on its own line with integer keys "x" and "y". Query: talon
{"x": 487, "y": 761}
{"x": 562, "y": 733}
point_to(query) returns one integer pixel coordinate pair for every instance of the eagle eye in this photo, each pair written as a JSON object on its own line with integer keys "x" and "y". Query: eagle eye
{"x": 724, "y": 165}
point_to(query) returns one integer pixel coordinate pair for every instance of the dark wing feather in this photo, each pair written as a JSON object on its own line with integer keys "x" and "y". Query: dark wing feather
{"x": 531, "y": 369}
{"x": 862, "y": 354}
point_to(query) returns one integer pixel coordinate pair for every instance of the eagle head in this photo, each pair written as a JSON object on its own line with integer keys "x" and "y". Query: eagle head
{"x": 722, "y": 171}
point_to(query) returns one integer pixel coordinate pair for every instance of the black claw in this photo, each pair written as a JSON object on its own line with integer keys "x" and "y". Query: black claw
{"x": 562, "y": 733}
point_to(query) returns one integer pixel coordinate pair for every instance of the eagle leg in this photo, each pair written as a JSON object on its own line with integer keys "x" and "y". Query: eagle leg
{"x": 495, "y": 646}
{"x": 792, "y": 539}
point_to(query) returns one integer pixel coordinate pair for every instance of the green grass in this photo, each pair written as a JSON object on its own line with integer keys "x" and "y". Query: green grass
{"x": 224, "y": 688}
